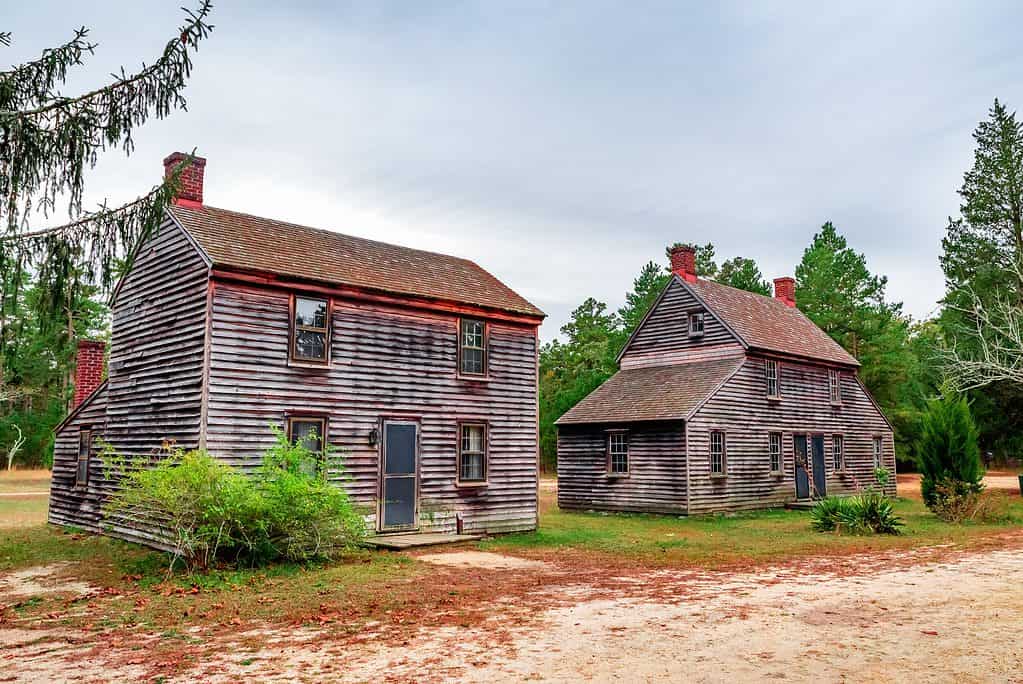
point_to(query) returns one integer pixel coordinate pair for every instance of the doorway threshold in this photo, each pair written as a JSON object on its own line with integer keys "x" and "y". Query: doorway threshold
{"x": 401, "y": 542}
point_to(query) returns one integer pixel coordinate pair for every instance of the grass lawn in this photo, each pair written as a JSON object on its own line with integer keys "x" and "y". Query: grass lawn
{"x": 133, "y": 591}
{"x": 734, "y": 540}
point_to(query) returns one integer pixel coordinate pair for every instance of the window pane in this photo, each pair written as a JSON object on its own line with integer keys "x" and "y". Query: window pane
{"x": 472, "y": 438}
{"x": 472, "y": 334}
{"x": 472, "y": 361}
{"x": 307, "y": 433}
{"x": 618, "y": 451}
{"x": 84, "y": 443}
{"x": 311, "y": 312}
{"x": 82, "y": 473}
{"x": 472, "y": 467}
{"x": 310, "y": 344}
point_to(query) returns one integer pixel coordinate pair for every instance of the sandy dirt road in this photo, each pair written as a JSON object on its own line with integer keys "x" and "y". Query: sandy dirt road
{"x": 887, "y": 618}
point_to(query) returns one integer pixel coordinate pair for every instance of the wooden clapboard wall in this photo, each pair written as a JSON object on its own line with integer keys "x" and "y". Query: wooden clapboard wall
{"x": 741, "y": 409}
{"x": 385, "y": 362}
{"x": 656, "y": 481}
{"x": 71, "y": 505}
{"x": 156, "y": 347}
{"x": 664, "y": 335}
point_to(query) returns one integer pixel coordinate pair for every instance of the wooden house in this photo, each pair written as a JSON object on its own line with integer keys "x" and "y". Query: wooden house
{"x": 724, "y": 400}
{"x": 420, "y": 369}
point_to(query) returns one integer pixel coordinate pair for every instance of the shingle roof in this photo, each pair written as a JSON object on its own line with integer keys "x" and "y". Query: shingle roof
{"x": 768, "y": 324}
{"x": 241, "y": 241}
{"x": 656, "y": 393}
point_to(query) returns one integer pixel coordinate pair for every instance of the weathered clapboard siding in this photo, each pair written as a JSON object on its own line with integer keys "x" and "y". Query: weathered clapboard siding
{"x": 156, "y": 348}
{"x": 664, "y": 335}
{"x": 70, "y": 505}
{"x": 385, "y": 362}
{"x": 656, "y": 481}
{"x": 740, "y": 408}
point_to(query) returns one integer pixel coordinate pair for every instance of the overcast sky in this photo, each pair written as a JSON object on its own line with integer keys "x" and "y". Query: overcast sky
{"x": 562, "y": 146}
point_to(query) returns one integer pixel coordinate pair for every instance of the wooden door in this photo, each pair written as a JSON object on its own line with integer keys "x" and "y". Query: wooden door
{"x": 802, "y": 465}
{"x": 820, "y": 477}
{"x": 399, "y": 478}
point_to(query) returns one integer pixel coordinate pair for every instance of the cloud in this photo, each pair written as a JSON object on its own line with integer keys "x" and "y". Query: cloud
{"x": 564, "y": 145}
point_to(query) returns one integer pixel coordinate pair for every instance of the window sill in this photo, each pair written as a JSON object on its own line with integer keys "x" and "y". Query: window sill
{"x": 616, "y": 476}
{"x": 695, "y": 336}
{"x": 313, "y": 365}
{"x": 777, "y": 474}
{"x": 719, "y": 476}
{"x": 774, "y": 398}
{"x": 836, "y": 404}
{"x": 471, "y": 485}
{"x": 472, "y": 378}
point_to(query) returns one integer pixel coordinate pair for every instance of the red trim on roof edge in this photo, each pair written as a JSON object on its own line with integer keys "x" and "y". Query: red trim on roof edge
{"x": 351, "y": 292}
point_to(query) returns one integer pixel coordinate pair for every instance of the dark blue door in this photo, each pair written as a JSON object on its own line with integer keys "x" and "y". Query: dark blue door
{"x": 399, "y": 479}
{"x": 820, "y": 478}
{"x": 802, "y": 464}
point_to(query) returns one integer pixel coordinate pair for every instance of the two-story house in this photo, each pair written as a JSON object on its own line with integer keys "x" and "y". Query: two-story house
{"x": 724, "y": 400}
{"x": 419, "y": 368}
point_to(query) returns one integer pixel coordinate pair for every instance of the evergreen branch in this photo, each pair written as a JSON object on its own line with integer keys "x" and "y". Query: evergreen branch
{"x": 5, "y": 38}
{"x": 44, "y": 151}
{"x": 33, "y": 82}
{"x": 103, "y": 213}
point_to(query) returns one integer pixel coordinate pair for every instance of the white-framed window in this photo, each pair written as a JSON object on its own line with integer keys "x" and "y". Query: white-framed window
{"x": 878, "y": 451}
{"x": 472, "y": 347}
{"x": 835, "y": 386}
{"x": 774, "y": 448}
{"x": 696, "y": 324}
{"x": 310, "y": 432}
{"x": 310, "y": 330}
{"x": 717, "y": 452}
{"x": 838, "y": 452}
{"x": 472, "y": 452}
{"x": 618, "y": 452}
{"x": 771, "y": 374}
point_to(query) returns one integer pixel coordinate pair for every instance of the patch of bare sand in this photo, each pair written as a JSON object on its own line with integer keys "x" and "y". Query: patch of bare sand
{"x": 936, "y": 622}
{"x": 480, "y": 559}
{"x": 39, "y": 580}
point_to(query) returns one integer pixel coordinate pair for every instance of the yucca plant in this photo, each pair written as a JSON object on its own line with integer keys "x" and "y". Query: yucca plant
{"x": 868, "y": 513}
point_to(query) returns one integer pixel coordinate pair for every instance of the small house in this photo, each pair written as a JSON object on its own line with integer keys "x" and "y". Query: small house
{"x": 419, "y": 368}
{"x": 724, "y": 400}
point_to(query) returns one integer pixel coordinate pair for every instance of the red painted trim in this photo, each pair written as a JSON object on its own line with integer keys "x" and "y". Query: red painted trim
{"x": 351, "y": 292}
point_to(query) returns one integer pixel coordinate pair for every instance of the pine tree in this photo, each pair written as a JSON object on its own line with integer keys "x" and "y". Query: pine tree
{"x": 983, "y": 264}
{"x": 647, "y": 286}
{"x": 948, "y": 447}
{"x": 744, "y": 274}
{"x": 48, "y": 143}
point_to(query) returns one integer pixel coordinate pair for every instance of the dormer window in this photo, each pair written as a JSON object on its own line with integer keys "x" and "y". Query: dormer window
{"x": 771, "y": 375}
{"x": 696, "y": 324}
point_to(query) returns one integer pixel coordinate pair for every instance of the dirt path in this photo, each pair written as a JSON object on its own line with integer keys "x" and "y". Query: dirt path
{"x": 878, "y": 619}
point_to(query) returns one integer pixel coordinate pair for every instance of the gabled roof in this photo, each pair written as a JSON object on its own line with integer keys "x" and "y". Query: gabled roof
{"x": 655, "y": 393}
{"x": 237, "y": 241}
{"x": 764, "y": 323}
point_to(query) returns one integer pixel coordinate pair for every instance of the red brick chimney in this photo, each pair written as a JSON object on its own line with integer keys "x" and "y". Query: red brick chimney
{"x": 785, "y": 290}
{"x": 88, "y": 369}
{"x": 190, "y": 181}
{"x": 683, "y": 262}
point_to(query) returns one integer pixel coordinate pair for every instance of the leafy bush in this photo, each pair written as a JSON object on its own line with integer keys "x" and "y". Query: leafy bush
{"x": 959, "y": 502}
{"x": 209, "y": 512}
{"x": 882, "y": 476}
{"x": 948, "y": 450}
{"x": 867, "y": 513}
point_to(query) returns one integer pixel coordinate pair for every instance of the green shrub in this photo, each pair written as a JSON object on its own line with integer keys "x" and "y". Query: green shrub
{"x": 209, "y": 512}
{"x": 948, "y": 450}
{"x": 867, "y": 513}
{"x": 882, "y": 476}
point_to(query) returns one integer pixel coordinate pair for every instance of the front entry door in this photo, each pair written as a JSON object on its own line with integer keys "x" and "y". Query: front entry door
{"x": 802, "y": 463}
{"x": 398, "y": 476}
{"x": 820, "y": 479}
